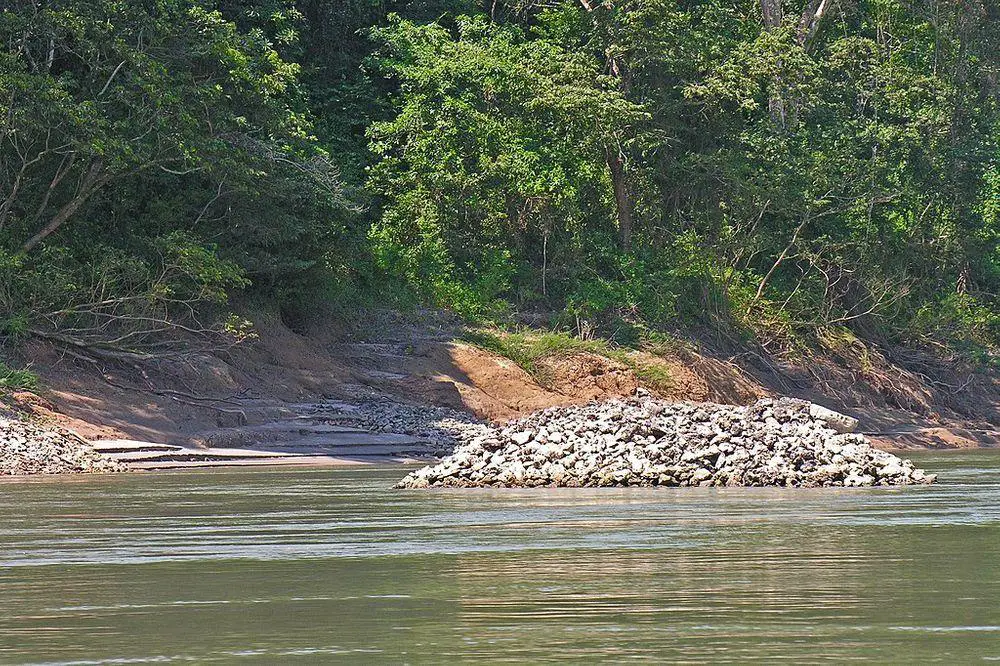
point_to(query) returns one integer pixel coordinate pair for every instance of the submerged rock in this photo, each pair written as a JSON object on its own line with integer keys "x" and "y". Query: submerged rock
{"x": 647, "y": 442}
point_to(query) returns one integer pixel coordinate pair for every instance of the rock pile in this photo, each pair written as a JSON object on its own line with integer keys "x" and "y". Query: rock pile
{"x": 646, "y": 442}
{"x": 26, "y": 448}
{"x": 440, "y": 427}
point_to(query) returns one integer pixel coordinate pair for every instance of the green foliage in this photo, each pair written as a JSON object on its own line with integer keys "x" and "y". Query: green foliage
{"x": 495, "y": 158}
{"x": 169, "y": 284}
{"x": 155, "y": 157}
{"x": 17, "y": 380}
{"x": 529, "y": 348}
{"x": 779, "y": 185}
{"x": 632, "y": 169}
{"x": 958, "y": 317}
{"x": 653, "y": 375}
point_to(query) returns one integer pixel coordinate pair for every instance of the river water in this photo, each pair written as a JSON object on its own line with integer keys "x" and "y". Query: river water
{"x": 320, "y": 566}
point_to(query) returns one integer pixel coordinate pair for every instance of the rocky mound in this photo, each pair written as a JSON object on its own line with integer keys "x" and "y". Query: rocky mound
{"x": 441, "y": 427}
{"x": 26, "y": 448}
{"x": 648, "y": 442}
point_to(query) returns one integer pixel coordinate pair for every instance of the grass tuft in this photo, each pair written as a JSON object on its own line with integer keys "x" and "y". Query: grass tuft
{"x": 17, "y": 380}
{"x": 528, "y": 349}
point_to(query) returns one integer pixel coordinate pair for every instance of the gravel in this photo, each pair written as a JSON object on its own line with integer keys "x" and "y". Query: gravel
{"x": 643, "y": 441}
{"x": 441, "y": 428}
{"x": 26, "y": 448}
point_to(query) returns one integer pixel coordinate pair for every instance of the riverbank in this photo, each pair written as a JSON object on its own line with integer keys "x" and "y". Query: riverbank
{"x": 638, "y": 441}
{"x": 276, "y": 393}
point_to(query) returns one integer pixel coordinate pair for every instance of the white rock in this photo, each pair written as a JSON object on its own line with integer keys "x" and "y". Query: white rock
{"x": 523, "y": 437}
{"x": 647, "y": 441}
{"x": 835, "y": 420}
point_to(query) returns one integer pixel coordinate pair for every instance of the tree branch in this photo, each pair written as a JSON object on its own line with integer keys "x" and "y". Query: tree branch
{"x": 781, "y": 258}
{"x": 93, "y": 181}
{"x": 812, "y": 16}
{"x": 111, "y": 78}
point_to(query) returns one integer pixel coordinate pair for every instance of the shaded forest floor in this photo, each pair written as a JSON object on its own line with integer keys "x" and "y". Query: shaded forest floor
{"x": 904, "y": 399}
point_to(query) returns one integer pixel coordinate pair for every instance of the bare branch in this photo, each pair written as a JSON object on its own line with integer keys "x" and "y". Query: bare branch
{"x": 811, "y": 19}
{"x": 111, "y": 78}
{"x": 781, "y": 258}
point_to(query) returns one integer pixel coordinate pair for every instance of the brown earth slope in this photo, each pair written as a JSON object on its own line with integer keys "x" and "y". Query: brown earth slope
{"x": 191, "y": 397}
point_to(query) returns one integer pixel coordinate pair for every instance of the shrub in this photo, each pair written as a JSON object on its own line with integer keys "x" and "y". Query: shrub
{"x": 12, "y": 379}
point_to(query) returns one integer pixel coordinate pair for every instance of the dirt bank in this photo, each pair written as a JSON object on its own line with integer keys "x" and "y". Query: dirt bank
{"x": 199, "y": 397}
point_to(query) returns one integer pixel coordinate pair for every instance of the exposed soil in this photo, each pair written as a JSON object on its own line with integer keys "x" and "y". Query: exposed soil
{"x": 904, "y": 400}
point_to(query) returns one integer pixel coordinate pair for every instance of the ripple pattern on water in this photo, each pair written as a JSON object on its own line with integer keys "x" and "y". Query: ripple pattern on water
{"x": 319, "y": 565}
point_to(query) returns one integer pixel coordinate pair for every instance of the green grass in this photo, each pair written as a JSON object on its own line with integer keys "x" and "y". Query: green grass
{"x": 652, "y": 375}
{"x": 527, "y": 349}
{"x": 17, "y": 380}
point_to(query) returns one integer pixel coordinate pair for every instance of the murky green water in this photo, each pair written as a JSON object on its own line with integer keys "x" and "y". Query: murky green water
{"x": 321, "y": 566}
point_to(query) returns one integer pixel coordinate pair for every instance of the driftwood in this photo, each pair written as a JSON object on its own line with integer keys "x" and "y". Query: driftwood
{"x": 91, "y": 352}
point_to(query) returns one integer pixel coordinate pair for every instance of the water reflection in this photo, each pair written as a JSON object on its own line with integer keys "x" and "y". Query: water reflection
{"x": 319, "y": 566}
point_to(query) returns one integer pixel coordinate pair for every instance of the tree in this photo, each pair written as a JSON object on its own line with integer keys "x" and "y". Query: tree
{"x": 495, "y": 159}
{"x": 127, "y": 126}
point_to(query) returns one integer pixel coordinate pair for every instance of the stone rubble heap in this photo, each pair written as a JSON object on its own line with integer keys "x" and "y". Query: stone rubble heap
{"x": 642, "y": 441}
{"x": 26, "y": 448}
{"x": 442, "y": 428}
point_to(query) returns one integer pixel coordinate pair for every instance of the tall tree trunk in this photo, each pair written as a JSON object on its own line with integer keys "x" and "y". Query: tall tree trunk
{"x": 616, "y": 163}
{"x": 623, "y": 196}
{"x": 808, "y": 25}
{"x": 812, "y": 16}
{"x": 772, "y": 14}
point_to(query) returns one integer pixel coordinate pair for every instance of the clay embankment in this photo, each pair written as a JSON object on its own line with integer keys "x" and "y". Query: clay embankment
{"x": 286, "y": 391}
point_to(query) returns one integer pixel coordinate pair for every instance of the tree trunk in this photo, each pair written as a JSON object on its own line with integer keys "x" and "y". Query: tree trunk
{"x": 9, "y": 201}
{"x": 772, "y": 14}
{"x": 616, "y": 163}
{"x": 811, "y": 18}
{"x": 93, "y": 181}
{"x": 771, "y": 10}
{"x": 623, "y": 197}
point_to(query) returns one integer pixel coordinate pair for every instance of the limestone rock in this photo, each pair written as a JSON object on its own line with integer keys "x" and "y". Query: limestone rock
{"x": 837, "y": 421}
{"x": 29, "y": 448}
{"x": 647, "y": 442}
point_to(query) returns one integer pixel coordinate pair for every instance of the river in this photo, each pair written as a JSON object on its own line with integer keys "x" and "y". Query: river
{"x": 321, "y": 565}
